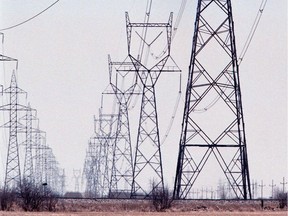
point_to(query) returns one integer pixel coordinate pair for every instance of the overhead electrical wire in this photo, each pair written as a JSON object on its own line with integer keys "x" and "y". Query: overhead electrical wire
{"x": 242, "y": 54}
{"x": 252, "y": 31}
{"x": 31, "y": 18}
{"x": 175, "y": 28}
{"x": 4, "y": 135}
{"x": 141, "y": 46}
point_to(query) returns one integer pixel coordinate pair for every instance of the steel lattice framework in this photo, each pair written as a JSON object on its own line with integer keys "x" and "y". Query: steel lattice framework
{"x": 40, "y": 169}
{"x": 91, "y": 169}
{"x": 213, "y": 123}
{"x": 147, "y": 168}
{"x": 13, "y": 174}
{"x": 105, "y": 136}
{"x": 28, "y": 161}
{"x": 122, "y": 164}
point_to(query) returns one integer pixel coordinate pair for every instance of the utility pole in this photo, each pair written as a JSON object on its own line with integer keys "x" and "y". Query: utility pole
{"x": 262, "y": 186}
{"x": 283, "y": 184}
{"x": 213, "y": 90}
{"x": 272, "y": 186}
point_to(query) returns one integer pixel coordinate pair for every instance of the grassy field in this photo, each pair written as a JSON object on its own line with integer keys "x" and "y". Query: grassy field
{"x": 106, "y": 207}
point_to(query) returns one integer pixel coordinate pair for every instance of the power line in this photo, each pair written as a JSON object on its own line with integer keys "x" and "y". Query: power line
{"x": 252, "y": 31}
{"x": 25, "y": 21}
{"x": 242, "y": 54}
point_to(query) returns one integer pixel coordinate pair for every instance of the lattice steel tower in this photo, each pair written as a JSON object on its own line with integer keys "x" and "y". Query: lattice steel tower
{"x": 213, "y": 123}
{"x": 147, "y": 169}
{"x": 122, "y": 164}
{"x": 28, "y": 161}
{"x": 13, "y": 176}
{"x": 105, "y": 136}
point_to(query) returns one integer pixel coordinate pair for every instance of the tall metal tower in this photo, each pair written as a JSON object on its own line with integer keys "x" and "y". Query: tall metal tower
{"x": 76, "y": 176}
{"x": 122, "y": 164}
{"x": 91, "y": 169}
{"x": 29, "y": 130}
{"x": 13, "y": 176}
{"x": 213, "y": 124}
{"x": 105, "y": 136}
{"x": 147, "y": 169}
{"x": 40, "y": 148}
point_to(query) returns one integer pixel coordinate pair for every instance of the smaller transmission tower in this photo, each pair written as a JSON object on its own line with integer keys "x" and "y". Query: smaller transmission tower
{"x": 147, "y": 168}
{"x": 91, "y": 169}
{"x": 40, "y": 147}
{"x": 105, "y": 134}
{"x": 29, "y": 142}
{"x": 76, "y": 176}
{"x": 122, "y": 166}
{"x": 13, "y": 174}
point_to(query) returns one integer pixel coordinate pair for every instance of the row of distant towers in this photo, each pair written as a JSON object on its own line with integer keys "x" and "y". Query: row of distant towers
{"x": 38, "y": 165}
{"x": 210, "y": 128}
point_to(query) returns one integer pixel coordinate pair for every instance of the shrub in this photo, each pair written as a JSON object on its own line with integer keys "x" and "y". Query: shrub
{"x": 7, "y": 199}
{"x": 50, "y": 200}
{"x": 37, "y": 197}
{"x": 282, "y": 199}
{"x": 32, "y": 196}
{"x": 161, "y": 198}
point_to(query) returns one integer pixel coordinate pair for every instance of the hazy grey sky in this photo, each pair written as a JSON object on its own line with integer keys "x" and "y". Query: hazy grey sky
{"x": 63, "y": 66}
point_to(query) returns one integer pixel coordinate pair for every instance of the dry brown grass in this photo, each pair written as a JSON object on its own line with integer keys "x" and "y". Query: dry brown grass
{"x": 84, "y": 207}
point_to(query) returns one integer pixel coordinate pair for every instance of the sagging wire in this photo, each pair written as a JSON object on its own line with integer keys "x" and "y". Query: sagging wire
{"x": 31, "y": 18}
{"x": 242, "y": 54}
{"x": 252, "y": 31}
{"x": 175, "y": 28}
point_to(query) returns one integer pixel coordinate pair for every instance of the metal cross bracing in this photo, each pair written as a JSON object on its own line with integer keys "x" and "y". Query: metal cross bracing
{"x": 29, "y": 129}
{"x": 76, "y": 176}
{"x": 51, "y": 170}
{"x": 123, "y": 86}
{"x": 28, "y": 161}
{"x": 13, "y": 173}
{"x": 147, "y": 168}
{"x": 91, "y": 169}
{"x": 40, "y": 146}
{"x": 213, "y": 123}
{"x": 105, "y": 135}
{"x": 62, "y": 181}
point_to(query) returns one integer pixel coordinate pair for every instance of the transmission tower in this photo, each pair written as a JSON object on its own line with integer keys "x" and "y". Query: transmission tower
{"x": 62, "y": 181}
{"x": 76, "y": 176}
{"x": 213, "y": 123}
{"x": 147, "y": 168}
{"x": 29, "y": 143}
{"x": 40, "y": 147}
{"x": 105, "y": 135}
{"x": 122, "y": 164}
{"x": 13, "y": 176}
{"x": 91, "y": 169}
{"x": 51, "y": 170}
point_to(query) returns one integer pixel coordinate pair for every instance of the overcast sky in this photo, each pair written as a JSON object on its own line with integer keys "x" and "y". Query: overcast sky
{"x": 62, "y": 58}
